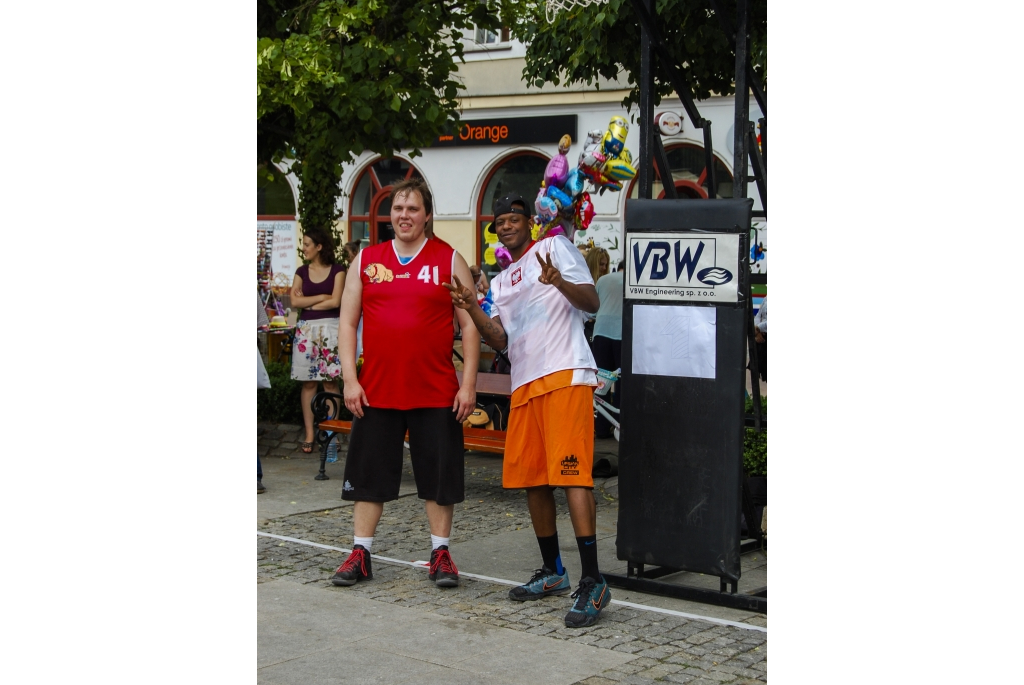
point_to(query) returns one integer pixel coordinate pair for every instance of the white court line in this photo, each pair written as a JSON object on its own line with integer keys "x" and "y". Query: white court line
{"x": 501, "y": 581}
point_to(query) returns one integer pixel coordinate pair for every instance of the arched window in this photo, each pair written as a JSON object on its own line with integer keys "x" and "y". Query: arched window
{"x": 520, "y": 173}
{"x": 688, "y": 171}
{"x": 369, "y": 215}
{"x": 273, "y": 197}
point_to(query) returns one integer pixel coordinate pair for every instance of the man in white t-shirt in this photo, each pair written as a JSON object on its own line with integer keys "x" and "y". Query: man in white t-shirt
{"x": 550, "y": 439}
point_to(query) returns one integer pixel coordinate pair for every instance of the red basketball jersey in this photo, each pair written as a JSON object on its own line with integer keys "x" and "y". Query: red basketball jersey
{"x": 407, "y": 327}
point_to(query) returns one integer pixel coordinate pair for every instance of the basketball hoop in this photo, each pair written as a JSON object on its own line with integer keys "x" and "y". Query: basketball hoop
{"x": 556, "y": 6}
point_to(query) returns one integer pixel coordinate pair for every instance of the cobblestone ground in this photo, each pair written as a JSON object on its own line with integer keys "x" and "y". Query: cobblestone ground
{"x": 670, "y": 649}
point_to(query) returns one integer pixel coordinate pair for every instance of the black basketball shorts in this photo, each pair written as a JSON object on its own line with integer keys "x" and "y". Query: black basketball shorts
{"x": 373, "y": 467}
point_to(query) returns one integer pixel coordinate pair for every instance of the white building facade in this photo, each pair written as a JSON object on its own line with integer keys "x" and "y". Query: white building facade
{"x": 509, "y": 133}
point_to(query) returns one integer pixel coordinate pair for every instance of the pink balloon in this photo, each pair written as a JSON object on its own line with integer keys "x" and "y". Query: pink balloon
{"x": 503, "y": 257}
{"x": 557, "y": 169}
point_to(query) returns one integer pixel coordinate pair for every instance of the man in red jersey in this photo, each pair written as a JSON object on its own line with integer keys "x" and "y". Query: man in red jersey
{"x": 407, "y": 382}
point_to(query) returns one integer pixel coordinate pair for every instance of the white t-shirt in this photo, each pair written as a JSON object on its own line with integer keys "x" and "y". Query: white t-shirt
{"x": 545, "y": 332}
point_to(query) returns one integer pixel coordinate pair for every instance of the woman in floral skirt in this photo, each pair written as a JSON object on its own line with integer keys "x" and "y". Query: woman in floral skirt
{"x": 316, "y": 289}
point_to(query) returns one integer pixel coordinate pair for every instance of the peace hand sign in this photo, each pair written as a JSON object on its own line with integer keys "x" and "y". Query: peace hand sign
{"x": 549, "y": 274}
{"x": 462, "y": 297}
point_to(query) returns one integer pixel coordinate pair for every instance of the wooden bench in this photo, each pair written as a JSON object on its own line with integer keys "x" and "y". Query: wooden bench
{"x": 327, "y": 404}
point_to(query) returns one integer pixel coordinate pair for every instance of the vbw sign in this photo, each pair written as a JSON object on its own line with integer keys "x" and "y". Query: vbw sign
{"x": 700, "y": 267}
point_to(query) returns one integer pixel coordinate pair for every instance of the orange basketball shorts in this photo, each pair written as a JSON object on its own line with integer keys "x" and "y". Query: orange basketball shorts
{"x": 550, "y": 440}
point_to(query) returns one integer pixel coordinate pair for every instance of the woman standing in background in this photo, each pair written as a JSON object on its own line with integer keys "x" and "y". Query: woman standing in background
{"x": 316, "y": 289}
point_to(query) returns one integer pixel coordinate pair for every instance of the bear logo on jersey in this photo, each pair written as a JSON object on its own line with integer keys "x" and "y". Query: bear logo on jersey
{"x": 378, "y": 273}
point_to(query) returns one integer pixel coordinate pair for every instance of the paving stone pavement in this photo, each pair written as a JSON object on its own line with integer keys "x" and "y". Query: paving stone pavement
{"x": 670, "y": 649}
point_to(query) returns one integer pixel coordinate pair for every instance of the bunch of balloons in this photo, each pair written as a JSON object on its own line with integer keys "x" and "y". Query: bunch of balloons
{"x": 563, "y": 206}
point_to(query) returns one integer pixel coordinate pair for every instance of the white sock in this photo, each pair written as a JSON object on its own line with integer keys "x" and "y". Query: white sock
{"x": 365, "y": 542}
{"x": 437, "y": 541}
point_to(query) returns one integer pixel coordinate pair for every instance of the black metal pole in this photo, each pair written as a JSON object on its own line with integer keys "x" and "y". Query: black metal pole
{"x": 646, "y": 171}
{"x": 741, "y": 114}
{"x": 664, "y": 170}
{"x": 752, "y": 80}
{"x": 755, "y": 85}
{"x": 643, "y": 12}
{"x": 709, "y": 162}
{"x": 764, "y": 142}
{"x": 760, "y": 177}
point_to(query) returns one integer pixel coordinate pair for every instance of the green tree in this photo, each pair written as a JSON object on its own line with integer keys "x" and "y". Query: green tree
{"x": 603, "y": 40}
{"x": 335, "y": 78}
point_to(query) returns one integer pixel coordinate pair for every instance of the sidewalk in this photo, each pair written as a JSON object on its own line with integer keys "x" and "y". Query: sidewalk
{"x": 472, "y": 633}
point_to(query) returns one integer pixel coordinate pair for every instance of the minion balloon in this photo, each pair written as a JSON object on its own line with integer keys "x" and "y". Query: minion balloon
{"x": 619, "y": 162}
{"x": 614, "y": 140}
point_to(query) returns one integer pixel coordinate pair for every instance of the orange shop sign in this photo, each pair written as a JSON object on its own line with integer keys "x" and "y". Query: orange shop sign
{"x": 509, "y": 131}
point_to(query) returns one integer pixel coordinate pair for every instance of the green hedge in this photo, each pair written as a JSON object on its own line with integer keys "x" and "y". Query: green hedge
{"x": 282, "y": 403}
{"x": 755, "y": 445}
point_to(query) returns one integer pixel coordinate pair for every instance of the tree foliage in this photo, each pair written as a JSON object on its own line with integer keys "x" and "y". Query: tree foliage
{"x": 603, "y": 40}
{"x": 335, "y": 78}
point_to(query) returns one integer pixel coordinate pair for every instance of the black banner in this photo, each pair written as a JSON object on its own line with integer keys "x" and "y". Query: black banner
{"x": 510, "y": 131}
{"x": 681, "y": 448}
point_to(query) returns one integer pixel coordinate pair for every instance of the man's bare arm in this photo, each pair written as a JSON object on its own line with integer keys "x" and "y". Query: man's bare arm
{"x": 490, "y": 329}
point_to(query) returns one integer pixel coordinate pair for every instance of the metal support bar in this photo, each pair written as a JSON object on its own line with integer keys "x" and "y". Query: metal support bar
{"x": 675, "y": 76}
{"x": 646, "y": 171}
{"x": 755, "y": 161}
{"x": 693, "y": 594}
{"x": 752, "y": 80}
{"x": 755, "y": 86}
{"x": 709, "y": 162}
{"x": 659, "y": 572}
{"x": 664, "y": 170}
{"x": 742, "y": 107}
{"x": 764, "y": 141}
{"x": 650, "y": 30}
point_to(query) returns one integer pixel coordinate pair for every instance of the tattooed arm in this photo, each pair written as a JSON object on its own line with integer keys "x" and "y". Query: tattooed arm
{"x": 490, "y": 329}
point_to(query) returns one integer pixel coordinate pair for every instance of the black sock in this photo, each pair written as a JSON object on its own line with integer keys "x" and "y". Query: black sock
{"x": 549, "y": 552}
{"x": 588, "y": 557}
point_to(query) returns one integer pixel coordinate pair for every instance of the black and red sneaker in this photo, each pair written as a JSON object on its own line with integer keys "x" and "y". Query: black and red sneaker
{"x": 355, "y": 568}
{"x": 442, "y": 568}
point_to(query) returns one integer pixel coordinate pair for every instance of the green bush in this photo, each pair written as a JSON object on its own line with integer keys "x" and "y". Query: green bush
{"x": 755, "y": 445}
{"x": 282, "y": 403}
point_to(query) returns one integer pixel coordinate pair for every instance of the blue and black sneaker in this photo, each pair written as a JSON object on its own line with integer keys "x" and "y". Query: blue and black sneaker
{"x": 591, "y": 597}
{"x": 544, "y": 582}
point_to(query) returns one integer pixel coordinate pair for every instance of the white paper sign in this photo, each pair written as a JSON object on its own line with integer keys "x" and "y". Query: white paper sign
{"x": 284, "y": 256}
{"x": 674, "y": 340}
{"x": 688, "y": 266}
